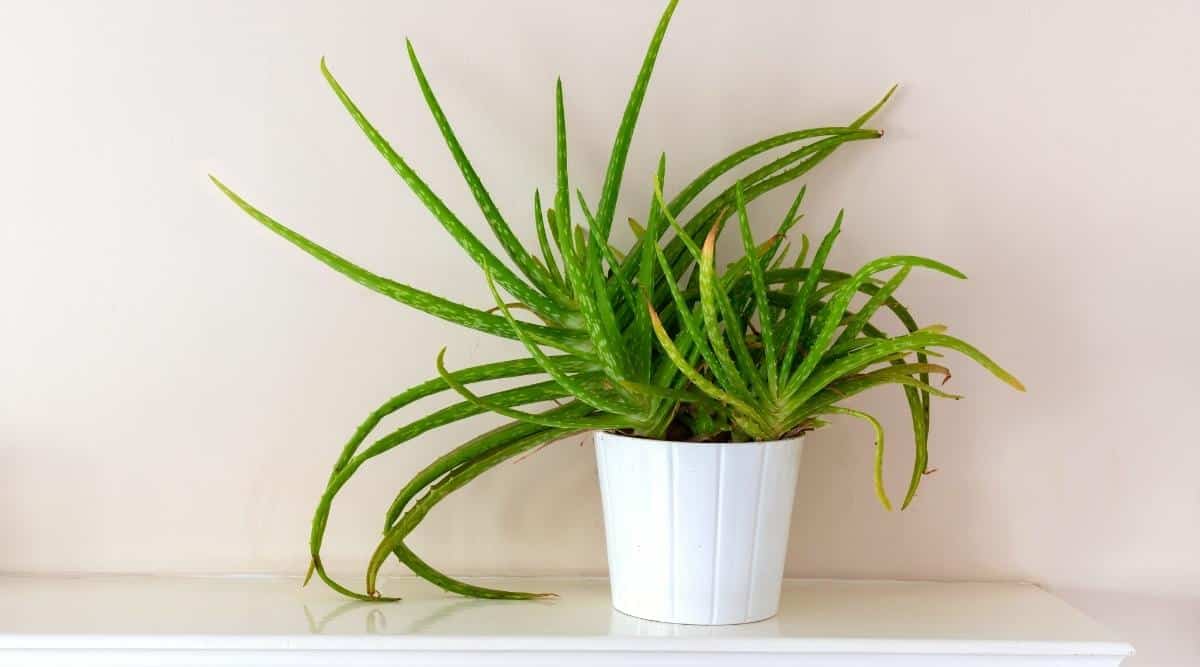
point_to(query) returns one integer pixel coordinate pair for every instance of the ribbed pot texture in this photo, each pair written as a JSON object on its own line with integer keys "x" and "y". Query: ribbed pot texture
{"x": 697, "y": 532}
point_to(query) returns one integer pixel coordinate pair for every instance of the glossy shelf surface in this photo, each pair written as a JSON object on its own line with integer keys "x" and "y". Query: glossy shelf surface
{"x": 110, "y": 620}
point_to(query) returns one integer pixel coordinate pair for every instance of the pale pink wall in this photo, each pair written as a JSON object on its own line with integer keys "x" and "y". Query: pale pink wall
{"x": 176, "y": 381}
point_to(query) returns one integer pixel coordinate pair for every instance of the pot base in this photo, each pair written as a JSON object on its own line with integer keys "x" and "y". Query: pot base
{"x": 702, "y": 624}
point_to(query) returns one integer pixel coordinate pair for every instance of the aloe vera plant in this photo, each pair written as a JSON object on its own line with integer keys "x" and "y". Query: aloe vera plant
{"x": 765, "y": 348}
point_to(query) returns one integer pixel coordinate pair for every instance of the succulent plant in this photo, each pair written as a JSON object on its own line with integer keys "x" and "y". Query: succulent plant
{"x": 651, "y": 341}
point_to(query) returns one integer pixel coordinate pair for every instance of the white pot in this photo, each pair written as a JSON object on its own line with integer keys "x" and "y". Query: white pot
{"x": 697, "y": 532}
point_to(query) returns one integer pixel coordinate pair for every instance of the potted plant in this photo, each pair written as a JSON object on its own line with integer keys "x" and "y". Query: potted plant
{"x": 700, "y": 384}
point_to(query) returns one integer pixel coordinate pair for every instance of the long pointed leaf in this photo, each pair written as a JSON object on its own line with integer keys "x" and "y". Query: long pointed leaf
{"x": 348, "y": 463}
{"x": 478, "y": 252}
{"x": 798, "y": 313}
{"x": 578, "y": 389}
{"x": 868, "y": 310}
{"x": 710, "y": 308}
{"x": 886, "y": 347}
{"x": 484, "y": 372}
{"x": 424, "y": 301}
{"x": 731, "y": 383}
{"x": 620, "y": 151}
{"x": 832, "y": 314}
{"x": 766, "y": 318}
{"x": 703, "y": 384}
{"x": 550, "y": 421}
{"x": 475, "y": 448}
{"x": 451, "y": 585}
{"x": 604, "y": 307}
{"x": 713, "y": 212}
{"x": 491, "y": 214}
{"x": 649, "y": 254}
{"x": 393, "y": 539}
{"x": 816, "y": 153}
{"x": 543, "y": 241}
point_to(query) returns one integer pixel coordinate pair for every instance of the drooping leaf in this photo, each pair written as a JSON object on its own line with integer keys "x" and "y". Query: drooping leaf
{"x": 548, "y": 420}
{"x": 880, "y": 491}
{"x": 392, "y": 542}
{"x": 831, "y": 316}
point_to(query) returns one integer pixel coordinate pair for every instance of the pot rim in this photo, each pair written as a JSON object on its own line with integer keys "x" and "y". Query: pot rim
{"x": 749, "y": 443}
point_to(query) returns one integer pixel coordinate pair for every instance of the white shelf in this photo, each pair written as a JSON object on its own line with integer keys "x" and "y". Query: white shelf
{"x": 271, "y": 621}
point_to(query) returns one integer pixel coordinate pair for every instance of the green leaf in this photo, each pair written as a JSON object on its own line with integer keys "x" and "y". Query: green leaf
{"x": 868, "y": 311}
{"x": 474, "y": 449}
{"x": 723, "y": 166}
{"x": 778, "y": 259}
{"x": 902, "y": 373}
{"x": 703, "y": 384}
{"x": 543, "y": 241}
{"x": 880, "y": 491}
{"x": 451, "y": 585}
{"x": 710, "y": 309}
{"x": 849, "y": 385}
{"x": 578, "y": 273}
{"x": 491, "y": 214}
{"x": 914, "y": 388}
{"x": 868, "y": 114}
{"x": 734, "y": 324}
{"x": 885, "y": 347}
{"x": 698, "y": 226}
{"x": 469, "y": 242}
{"x": 638, "y": 230}
{"x": 484, "y": 372}
{"x": 918, "y": 400}
{"x": 588, "y": 394}
{"x": 556, "y": 240}
{"x": 599, "y": 285}
{"x": 792, "y": 216}
{"x": 649, "y": 252}
{"x": 800, "y": 257}
{"x": 668, "y": 393}
{"x": 713, "y": 212}
{"x": 348, "y": 464}
{"x": 831, "y": 315}
{"x": 732, "y": 383}
{"x": 479, "y": 320}
{"x": 772, "y": 175}
{"x": 789, "y": 220}
{"x": 392, "y": 541}
{"x": 766, "y": 318}
{"x": 562, "y": 189}
{"x": 735, "y": 270}
{"x": 797, "y": 314}
{"x": 349, "y": 461}
{"x": 548, "y": 420}
{"x": 717, "y": 352}
{"x": 620, "y": 151}
{"x": 681, "y": 234}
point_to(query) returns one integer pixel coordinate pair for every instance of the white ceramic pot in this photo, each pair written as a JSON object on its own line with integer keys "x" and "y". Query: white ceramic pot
{"x": 697, "y": 532}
